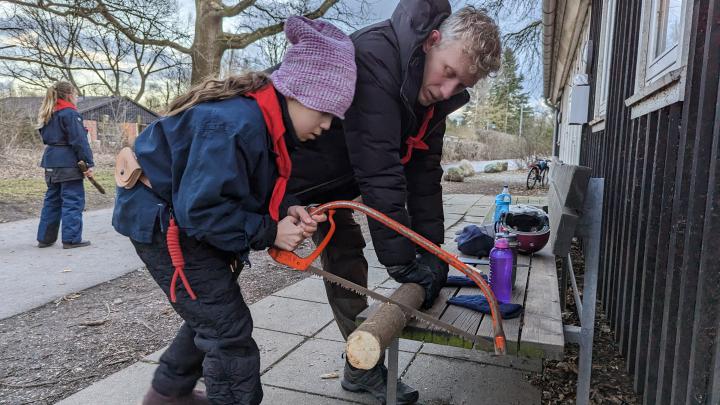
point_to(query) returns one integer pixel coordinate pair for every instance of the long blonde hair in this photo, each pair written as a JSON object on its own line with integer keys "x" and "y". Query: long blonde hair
{"x": 61, "y": 90}
{"x": 218, "y": 89}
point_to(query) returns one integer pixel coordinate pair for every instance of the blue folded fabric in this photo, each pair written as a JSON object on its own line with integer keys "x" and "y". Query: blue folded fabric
{"x": 480, "y": 304}
{"x": 475, "y": 241}
{"x": 462, "y": 281}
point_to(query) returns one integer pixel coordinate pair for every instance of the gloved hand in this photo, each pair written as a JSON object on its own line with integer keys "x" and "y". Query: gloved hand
{"x": 427, "y": 270}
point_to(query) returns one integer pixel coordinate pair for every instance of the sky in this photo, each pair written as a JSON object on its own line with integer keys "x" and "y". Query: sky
{"x": 382, "y": 9}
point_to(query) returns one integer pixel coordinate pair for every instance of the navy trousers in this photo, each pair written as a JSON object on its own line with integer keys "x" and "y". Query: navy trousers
{"x": 215, "y": 341}
{"x": 64, "y": 202}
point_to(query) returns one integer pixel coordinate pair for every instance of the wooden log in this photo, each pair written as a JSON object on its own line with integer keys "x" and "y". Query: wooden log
{"x": 366, "y": 345}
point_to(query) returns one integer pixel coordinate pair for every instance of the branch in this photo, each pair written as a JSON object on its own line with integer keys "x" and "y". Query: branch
{"x": 232, "y": 11}
{"x": 239, "y": 41}
{"x": 87, "y": 13}
{"x": 46, "y": 64}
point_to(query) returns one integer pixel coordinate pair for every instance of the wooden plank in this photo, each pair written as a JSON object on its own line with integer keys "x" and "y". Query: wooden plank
{"x": 542, "y": 330}
{"x": 570, "y": 185}
{"x": 663, "y": 241}
{"x": 511, "y": 326}
{"x": 649, "y": 242}
{"x": 635, "y": 191}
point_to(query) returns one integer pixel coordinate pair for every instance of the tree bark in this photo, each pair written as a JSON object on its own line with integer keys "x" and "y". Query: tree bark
{"x": 368, "y": 342}
{"x": 207, "y": 49}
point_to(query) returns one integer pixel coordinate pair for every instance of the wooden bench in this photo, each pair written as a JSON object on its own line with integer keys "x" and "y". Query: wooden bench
{"x": 537, "y": 333}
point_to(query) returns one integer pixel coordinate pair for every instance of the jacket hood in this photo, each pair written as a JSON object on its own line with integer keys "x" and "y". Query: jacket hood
{"x": 412, "y": 21}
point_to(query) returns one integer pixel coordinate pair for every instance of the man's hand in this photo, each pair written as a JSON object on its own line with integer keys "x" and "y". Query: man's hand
{"x": 430, "y": 273}
{"x": 305, "y": 220}
{"x": 88, "y": 173}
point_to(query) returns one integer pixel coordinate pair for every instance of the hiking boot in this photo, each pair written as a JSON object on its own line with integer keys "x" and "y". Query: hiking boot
{"x": 374, "y": 381}
{"x": 153, "y": 397}
{"x": 76, "y": 245}
{"x": 44, "y": 244}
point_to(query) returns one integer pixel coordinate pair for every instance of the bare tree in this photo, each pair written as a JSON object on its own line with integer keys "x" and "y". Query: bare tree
{"x": 256, "y": 20}
{"x": 96, "y": 59}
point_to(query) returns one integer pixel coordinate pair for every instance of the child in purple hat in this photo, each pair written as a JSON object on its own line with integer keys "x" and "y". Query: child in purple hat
{"x": 212, "y": 188}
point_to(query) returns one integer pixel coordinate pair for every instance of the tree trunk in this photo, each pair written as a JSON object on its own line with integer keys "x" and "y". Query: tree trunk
{"x": 207, "y": 50}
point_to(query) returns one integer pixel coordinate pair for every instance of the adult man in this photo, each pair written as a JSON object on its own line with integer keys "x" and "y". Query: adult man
{"x": 413, "y": 70}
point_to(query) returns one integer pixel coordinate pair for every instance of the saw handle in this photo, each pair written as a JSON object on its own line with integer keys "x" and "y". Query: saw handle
{"x": 296, "y": 262}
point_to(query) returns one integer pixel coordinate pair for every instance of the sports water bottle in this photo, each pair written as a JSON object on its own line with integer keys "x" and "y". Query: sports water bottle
{"x": 501, "y": 263}
{"x": 513, "y": 245}
{"x": 502, "y": 203}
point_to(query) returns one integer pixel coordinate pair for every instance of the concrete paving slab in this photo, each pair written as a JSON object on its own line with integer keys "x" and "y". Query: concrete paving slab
{"x": 125, "y": 387}
{"x": 450, "y": 381}
{"x": 32, "y": 277}
{"x": 275, "y": 395}
{"x": 274, "y": 345}
{"x": 301, "y": 371}
{"x": 290, "y": 315}
{"x": 520, "y": 363}
{"x": 310, "y": 289}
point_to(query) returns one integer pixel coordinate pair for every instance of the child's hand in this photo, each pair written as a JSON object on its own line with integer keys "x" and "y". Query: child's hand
{"x": 289, "y": 234}
{"x": 307, "y": 222}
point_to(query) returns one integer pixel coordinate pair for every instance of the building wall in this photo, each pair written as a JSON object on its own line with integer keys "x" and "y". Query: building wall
{"x": 569, "y": 135}
{"x": 660, "y": 277}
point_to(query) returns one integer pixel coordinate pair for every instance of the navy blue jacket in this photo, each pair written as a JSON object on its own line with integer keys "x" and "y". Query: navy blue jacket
{"x": 66, "y": 140}
{"x": 214, "y": 165}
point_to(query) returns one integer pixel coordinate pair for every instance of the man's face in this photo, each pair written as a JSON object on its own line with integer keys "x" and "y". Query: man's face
{"x": 446, "y": 70}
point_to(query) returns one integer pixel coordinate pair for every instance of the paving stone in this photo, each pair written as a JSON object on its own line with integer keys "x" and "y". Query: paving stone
{"x": 520, "y": 363}
{"x": 275, "y": 395}
{"x": 127, "y": 386}
{"x": 310, "y": 289}
{"x": 274, "y": 345}
{"x": 301, "y": 370}
{"x": 290, "y": 315}
{"x": 452, "y": 381}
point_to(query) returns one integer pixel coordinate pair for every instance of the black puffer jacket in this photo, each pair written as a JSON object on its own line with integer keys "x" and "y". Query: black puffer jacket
{"x": 371, "y": 140}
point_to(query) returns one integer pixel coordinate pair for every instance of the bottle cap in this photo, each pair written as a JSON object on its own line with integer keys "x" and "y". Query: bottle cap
{"x": 502, "y": 243}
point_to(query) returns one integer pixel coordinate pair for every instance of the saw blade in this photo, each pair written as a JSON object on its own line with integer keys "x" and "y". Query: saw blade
{"x": 480, "y": 341}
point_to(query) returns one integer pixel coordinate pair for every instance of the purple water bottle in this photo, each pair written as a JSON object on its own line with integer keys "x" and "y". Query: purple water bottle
{"x": 501, "y": 268}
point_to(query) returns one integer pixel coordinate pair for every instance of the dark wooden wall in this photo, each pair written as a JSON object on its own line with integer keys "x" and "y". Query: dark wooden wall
{"x": 660, "y": 265}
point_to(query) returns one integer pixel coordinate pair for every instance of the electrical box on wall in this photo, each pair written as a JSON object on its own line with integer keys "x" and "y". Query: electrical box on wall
{"x": 579, "y": 100}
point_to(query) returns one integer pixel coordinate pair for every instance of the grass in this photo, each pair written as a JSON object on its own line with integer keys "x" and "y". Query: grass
{"x": 22, "y": 198}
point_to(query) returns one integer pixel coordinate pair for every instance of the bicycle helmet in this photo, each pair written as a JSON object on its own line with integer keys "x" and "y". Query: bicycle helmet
{"x": 530, "y": 224}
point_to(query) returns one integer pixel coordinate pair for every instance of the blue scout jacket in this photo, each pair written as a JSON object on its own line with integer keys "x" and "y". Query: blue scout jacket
{"x": 213, "y": 165}
{"x": 66, "y": 140}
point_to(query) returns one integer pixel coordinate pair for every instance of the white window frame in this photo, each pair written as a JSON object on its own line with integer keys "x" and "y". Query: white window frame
{"x": 659, "y": 81}
{"x": 607, "y": 31}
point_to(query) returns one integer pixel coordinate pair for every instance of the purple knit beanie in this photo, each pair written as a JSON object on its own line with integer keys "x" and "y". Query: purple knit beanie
{"x": 319, "y": 68}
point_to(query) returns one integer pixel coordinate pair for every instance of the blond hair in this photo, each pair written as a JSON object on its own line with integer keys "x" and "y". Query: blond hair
{"x": 218, "y": 89}
{"x": 480, "y": 36}
{"x": 61, "y": 90}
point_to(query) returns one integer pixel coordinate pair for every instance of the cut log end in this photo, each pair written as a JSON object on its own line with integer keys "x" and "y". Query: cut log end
{"x": 363, "y": 350}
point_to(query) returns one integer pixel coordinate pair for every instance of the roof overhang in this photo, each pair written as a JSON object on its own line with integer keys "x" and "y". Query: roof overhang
{"x": 563, "y": 22}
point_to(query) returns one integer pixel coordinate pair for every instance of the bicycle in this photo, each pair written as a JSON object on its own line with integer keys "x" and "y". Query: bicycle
{"x": 539, "y": 171}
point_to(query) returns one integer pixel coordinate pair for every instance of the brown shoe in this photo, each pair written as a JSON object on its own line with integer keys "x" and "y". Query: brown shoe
{"x": 153, "y": 397}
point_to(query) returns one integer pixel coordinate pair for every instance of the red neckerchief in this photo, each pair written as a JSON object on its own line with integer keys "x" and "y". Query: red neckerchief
{"x": 270, "y": 107}
{"x": 417, "y": 142}
{"x": 61, "y": 104}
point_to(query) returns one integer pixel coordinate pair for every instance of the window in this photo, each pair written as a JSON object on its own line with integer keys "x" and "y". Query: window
{"x": 665, "y": 35}
{"x": 603, "y": 70}
{"x": 662, "y": 55}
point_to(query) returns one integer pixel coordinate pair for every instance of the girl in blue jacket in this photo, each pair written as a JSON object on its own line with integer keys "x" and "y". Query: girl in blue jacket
{"x": 213, "y": 188}
{"x": 65, "y": 137}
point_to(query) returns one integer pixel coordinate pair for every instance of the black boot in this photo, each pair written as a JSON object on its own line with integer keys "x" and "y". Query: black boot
{"x": 76, "y": 245}
{"x": 374, "y": 381}
{"x": 196, "y": 397}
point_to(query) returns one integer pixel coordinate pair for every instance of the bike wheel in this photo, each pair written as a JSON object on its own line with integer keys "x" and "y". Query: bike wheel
{"x": 532, "y": 178}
